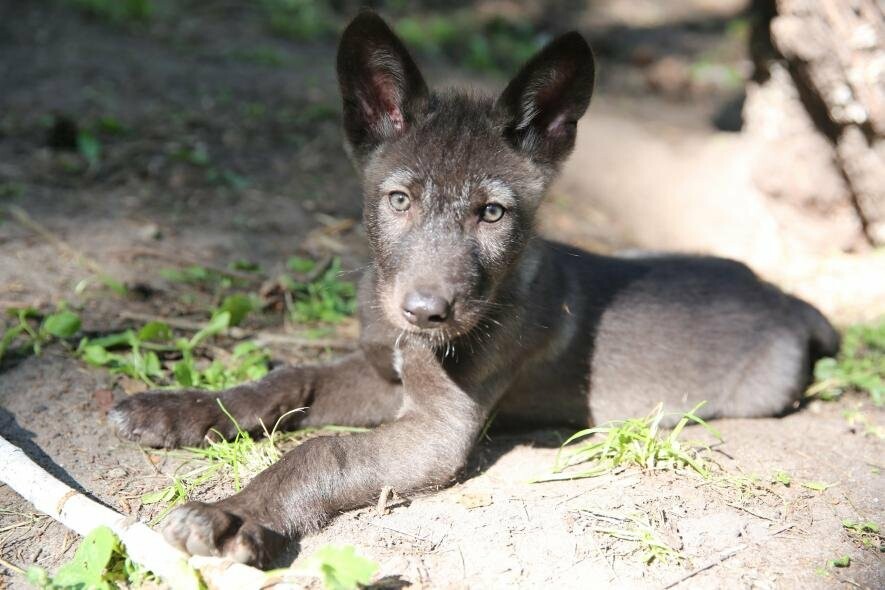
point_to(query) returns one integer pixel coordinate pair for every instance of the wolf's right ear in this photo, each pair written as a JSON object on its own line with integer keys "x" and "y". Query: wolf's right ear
{"x": 382, "y": 89}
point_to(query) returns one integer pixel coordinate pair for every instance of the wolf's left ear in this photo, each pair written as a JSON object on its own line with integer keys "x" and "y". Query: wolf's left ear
{"x": 382, "y": 89}
{"x": 542, "y": 104}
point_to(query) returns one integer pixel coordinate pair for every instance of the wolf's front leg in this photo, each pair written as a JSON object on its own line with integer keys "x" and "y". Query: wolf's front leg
{"x": 347, "y": 392}
{"x": 425, "y": 447}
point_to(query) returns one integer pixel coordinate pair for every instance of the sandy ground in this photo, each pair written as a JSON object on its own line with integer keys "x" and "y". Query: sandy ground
{"x": 491, "y": 530}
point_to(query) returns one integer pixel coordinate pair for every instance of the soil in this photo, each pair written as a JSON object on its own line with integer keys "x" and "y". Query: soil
{"x": 227, "y": 156}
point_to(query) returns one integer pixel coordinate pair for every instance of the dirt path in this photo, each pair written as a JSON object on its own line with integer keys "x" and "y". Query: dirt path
{"x": 212, "y": 152}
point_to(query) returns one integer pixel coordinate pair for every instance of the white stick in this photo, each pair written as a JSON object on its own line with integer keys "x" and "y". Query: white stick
{"x": 74, "y": 510}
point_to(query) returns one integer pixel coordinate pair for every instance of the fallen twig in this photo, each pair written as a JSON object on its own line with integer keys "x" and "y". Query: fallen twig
{"x": 74, "y": 510}
{"x": 727, "y": 554}
{"x": 188, "y": 261}
{"x": 22, "y": 217}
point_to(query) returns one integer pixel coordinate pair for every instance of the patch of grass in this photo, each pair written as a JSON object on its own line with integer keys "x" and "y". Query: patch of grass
{"x": 868, "y": 533}
{"x": 747, "y": 488}
{"x": 100, "y": 563}
{"x": 202, "y": 278}
{"x": 239, "y": 306}
{"x": 32, "y": 332}
{"x": 782, "y": 477}
{"x": 859, "y": 366}
{"x": 636, "y": 442}
{"x": 238, "y": 459}
{"x": 638, "y": 530}
{"x": 136, "y": 354}
{"x": 844, "y": 561}
{"x": 860, "y": 421}
{"x": 327, "y": 299}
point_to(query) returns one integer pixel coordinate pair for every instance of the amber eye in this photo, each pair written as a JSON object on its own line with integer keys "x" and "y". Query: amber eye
{"x": 399, "y": 200}
{"x": 492, "y": 213}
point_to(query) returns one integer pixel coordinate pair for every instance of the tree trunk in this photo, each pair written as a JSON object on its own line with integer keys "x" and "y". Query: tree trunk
{"x": 817, "y": 109}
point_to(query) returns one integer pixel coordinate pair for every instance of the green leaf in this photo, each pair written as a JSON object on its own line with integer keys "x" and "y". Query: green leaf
{"x": 37, "y": 576}
{"x": 87, "y": 567}
{"x": 113, "y": 340}
{"x": 63, "y": 324}
{"x": 184, "y": 373}
{"x": 89, "y": 147}
{"x": 96, "y": 355}
{"x": 238, "y": 305}
{"x": 8, "y": 337}
{"x": 114, "y": 285}
{"x": 300, "y": 265}
{"x": 782, "y": 477}
{"x": 843, "y": 561}
{"x": 245, "y": 265}
{"x": 152, "y": 364}
{"x": 341, "y": 568}
{"x": 817, "y": 486}
{"x": 155, "y": 331}
{"x": 217, "y": 324}
{"x": 164, "y": 495}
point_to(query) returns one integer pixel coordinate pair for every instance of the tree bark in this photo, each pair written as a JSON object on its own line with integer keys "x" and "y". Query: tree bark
{"x": 817, "y": 108}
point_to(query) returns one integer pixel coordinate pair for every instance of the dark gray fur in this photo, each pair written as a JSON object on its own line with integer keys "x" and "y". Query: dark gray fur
{"x": 545, "y": 333}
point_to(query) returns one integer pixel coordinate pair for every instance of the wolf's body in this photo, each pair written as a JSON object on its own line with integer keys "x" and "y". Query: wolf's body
{"x": 464, "y": 311}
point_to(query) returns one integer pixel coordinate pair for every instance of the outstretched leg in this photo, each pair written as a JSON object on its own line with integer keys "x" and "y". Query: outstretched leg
{"x": 424, "y": 447}
{"x": 346, "y": 392}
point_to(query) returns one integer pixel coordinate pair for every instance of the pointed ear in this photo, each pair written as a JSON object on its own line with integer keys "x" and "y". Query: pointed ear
{"x": 542, "y": 104}
{"x": 382, "y": 89}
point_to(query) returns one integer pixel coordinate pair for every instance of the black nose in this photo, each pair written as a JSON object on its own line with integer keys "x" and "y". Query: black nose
{"x": 425, "y": 310}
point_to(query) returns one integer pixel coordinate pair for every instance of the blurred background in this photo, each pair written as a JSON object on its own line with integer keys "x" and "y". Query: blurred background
{"x": 746, "y": 128}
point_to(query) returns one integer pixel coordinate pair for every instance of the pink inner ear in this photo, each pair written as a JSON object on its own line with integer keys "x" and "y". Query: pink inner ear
{"x": 557, "y": 125}
{"x": 550, "y": 99}
{"x": 388, "y": 98}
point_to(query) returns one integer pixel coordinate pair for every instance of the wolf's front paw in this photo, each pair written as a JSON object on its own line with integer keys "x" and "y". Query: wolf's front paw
{"x": 208, "y": 529}
{"x": 170, "y": 419}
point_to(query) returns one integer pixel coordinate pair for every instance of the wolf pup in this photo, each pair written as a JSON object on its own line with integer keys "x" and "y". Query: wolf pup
{"x": 465, "y": 310}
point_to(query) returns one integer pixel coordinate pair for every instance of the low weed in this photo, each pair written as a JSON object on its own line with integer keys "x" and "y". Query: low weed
{"x": 100, "y": 563}
{"x": 32, "y": 332}
{"x": 327, "y": 299}
{"x": 136, "y": 354}
{"x": 745, "y": 488}
{"x": 859, "y": 366}
{"x": 860, "y": 422}
{"x": 638, "y": 530}
{"x": 636, "y": 442}
{"x": 867, "y": 533}
{"x": 782, "y": 477}
{"x": 310, "y": 297}
{"x": 817, "y": 486}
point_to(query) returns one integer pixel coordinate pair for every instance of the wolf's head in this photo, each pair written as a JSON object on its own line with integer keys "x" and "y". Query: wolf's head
{"x": 451, "y": 181}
